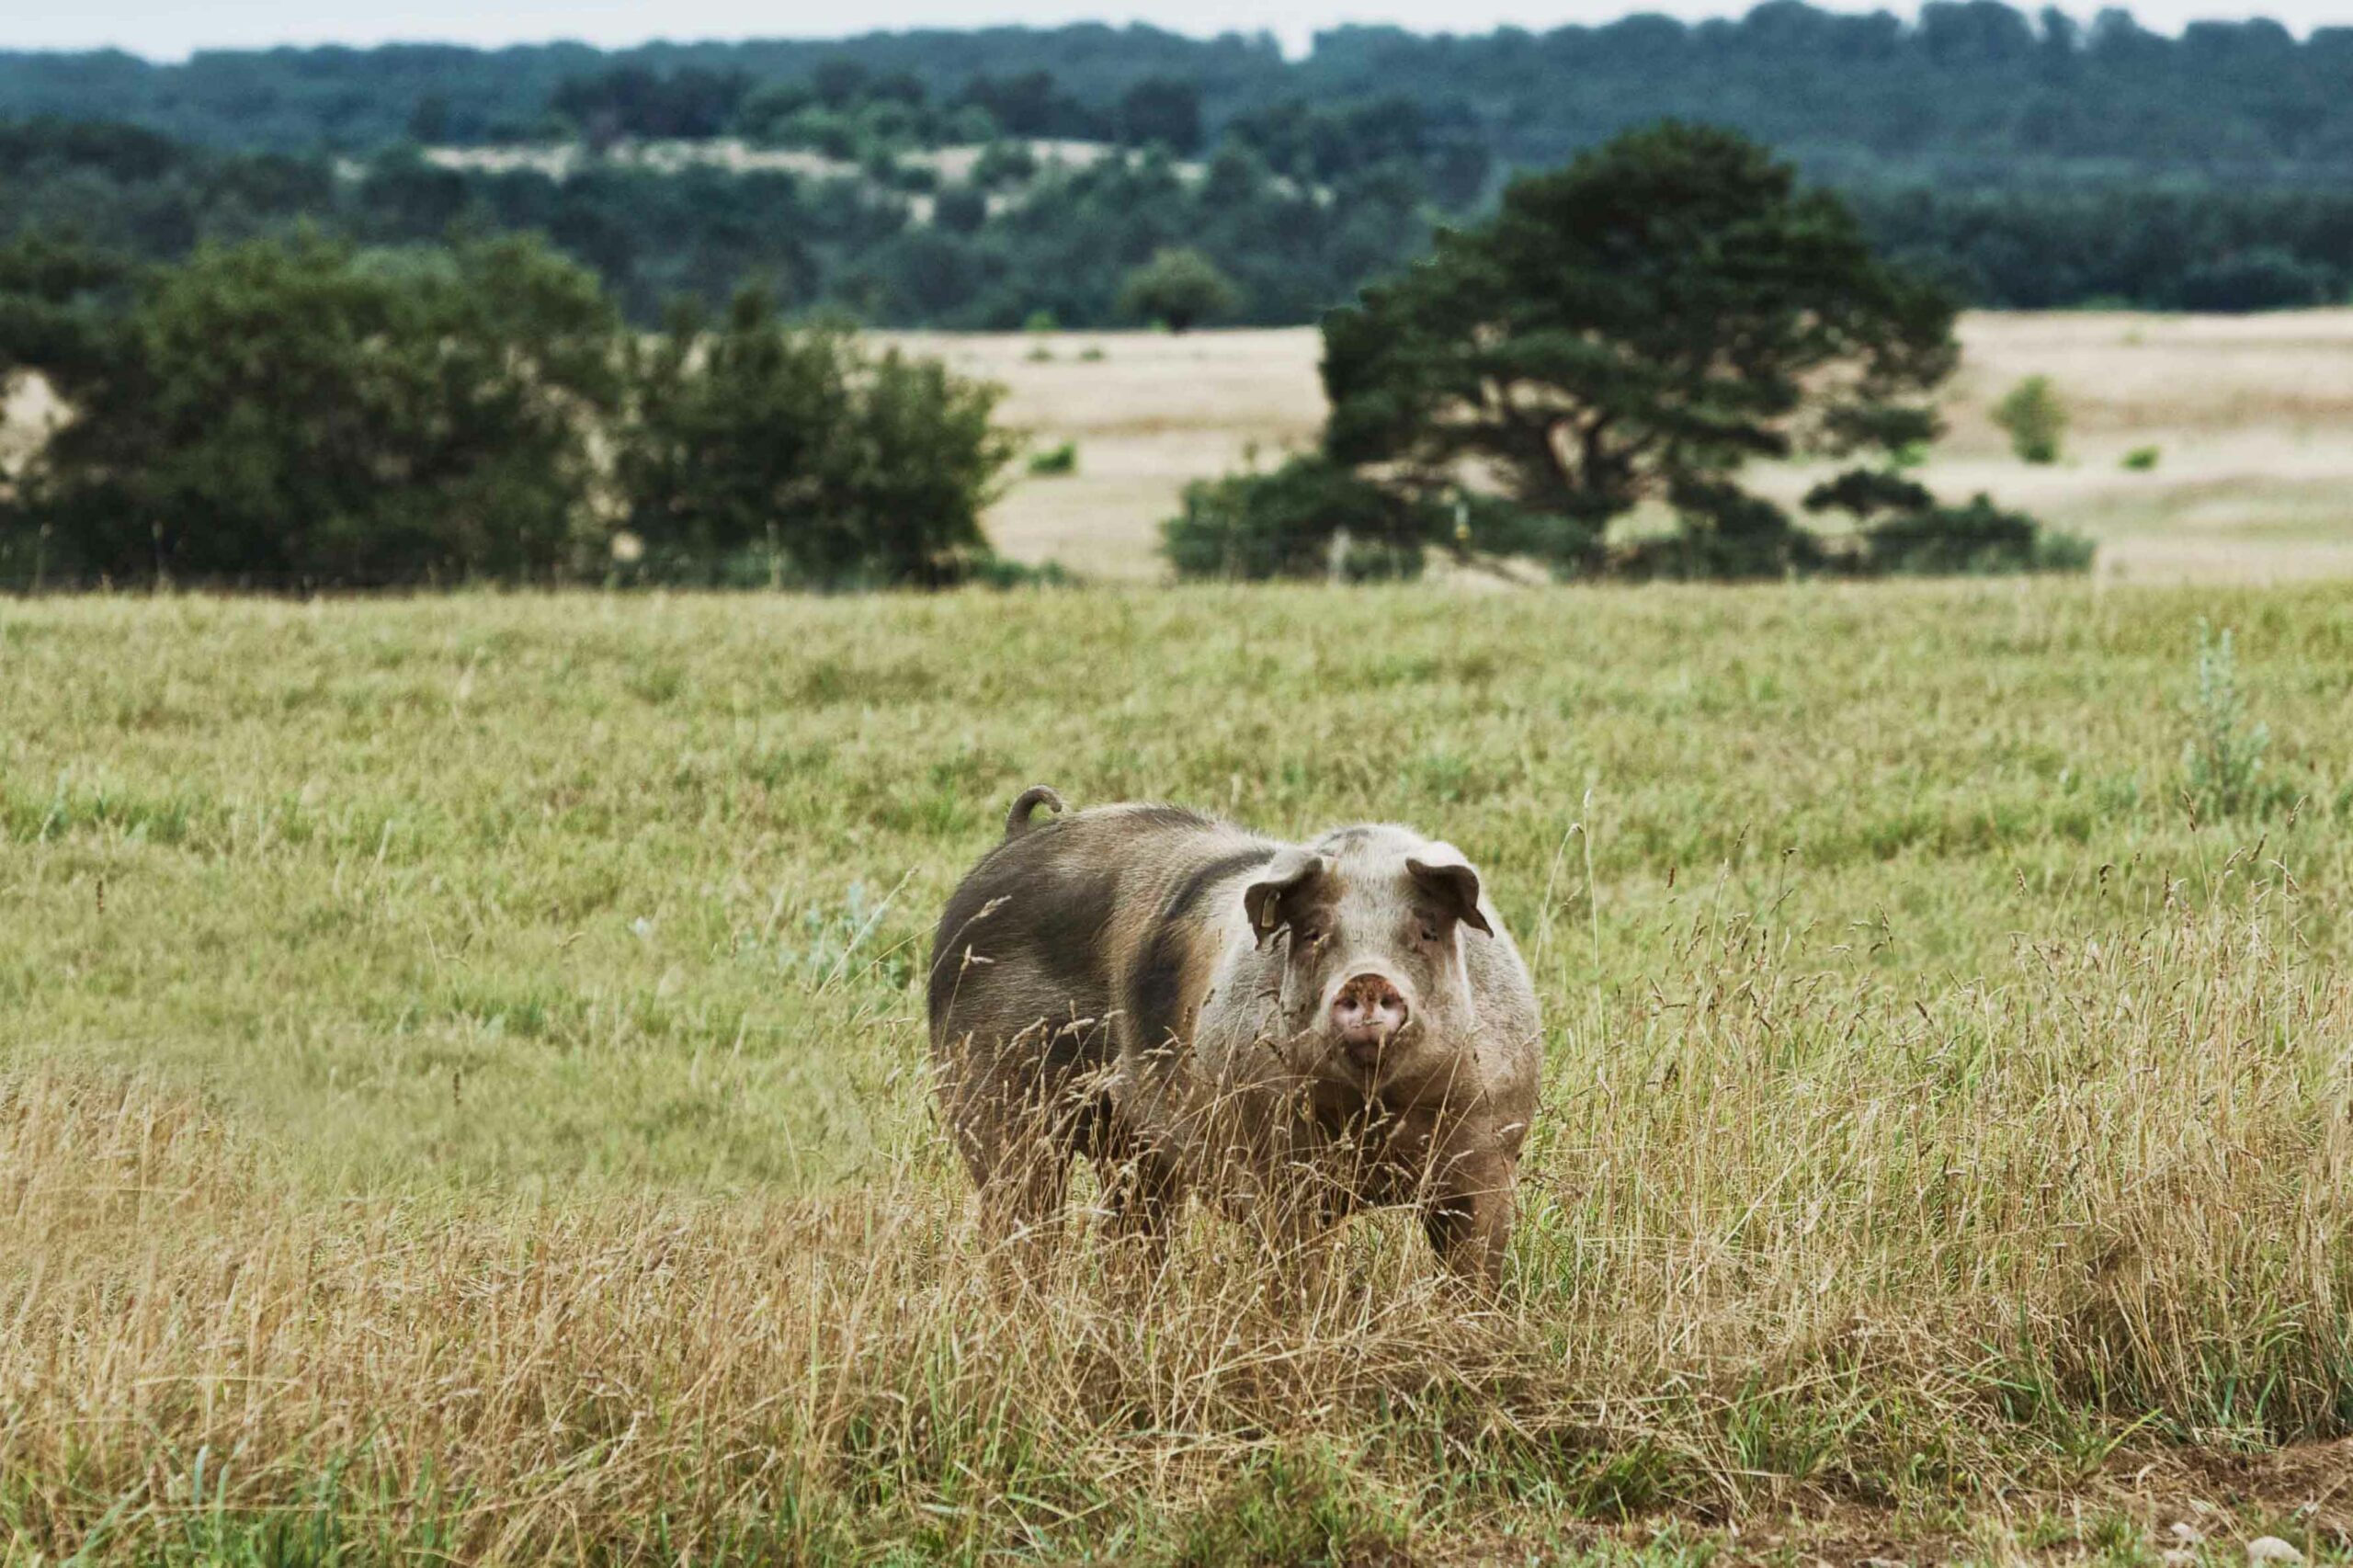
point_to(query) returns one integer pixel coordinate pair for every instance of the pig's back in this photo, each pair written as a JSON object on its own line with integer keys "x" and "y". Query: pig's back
{"x": 1043, "y": 936}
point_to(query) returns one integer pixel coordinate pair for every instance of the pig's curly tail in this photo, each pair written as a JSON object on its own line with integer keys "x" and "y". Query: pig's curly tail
{"x": 1017, "y": 821}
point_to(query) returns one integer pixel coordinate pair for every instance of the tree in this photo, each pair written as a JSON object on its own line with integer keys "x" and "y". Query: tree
{"x": 1635, "y": 327}
{"x": 1310, "y": 517}
{"x": 760, "y": 449}
{"x": 1179, "y": 286}
{"x": 2034, "y": 418}
{"x": 296, "y": 413}
{"x": 1163, "y": 110}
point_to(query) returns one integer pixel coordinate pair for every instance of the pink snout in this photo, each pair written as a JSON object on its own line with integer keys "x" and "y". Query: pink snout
{"x": 1367, "y": 1010}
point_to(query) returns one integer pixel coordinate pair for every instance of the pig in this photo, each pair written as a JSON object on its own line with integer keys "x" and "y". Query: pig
{"x": 1296, "y": 1031}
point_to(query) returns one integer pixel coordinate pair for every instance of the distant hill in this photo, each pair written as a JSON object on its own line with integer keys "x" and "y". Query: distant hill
{"x": 1975, "y": 92}
{"x": 995, "y": 177}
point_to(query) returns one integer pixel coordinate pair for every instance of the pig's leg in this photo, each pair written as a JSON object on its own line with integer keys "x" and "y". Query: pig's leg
{"x": 1024, "y": 1176}
{"x": 1021, "y": 1200}
{"x": 1145, "y": 1196}
{"x": 1467, "y": 1217}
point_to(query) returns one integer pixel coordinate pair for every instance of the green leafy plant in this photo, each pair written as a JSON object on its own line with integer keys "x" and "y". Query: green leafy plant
{"x": 1979, "y": 538}
{"x": 294, "y": 413}
{"x": 2221, "y": 762}
{"x": 1054, "y": 462}
{"x": 796, "y": 450}
{"x": 1310, "y": 517}
{"x": 2141, "y": 459}
{"x": 1178, "y": 289}
{"x": 1039, "y": 325}
{"x": 2035, "y": 419}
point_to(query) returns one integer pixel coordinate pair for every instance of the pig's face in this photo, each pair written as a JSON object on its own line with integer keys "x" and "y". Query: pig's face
{"x": 1370, "y": 924}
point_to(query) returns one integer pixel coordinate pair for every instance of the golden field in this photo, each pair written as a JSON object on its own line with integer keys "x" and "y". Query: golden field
{"x": 461, "y": 1087}
{"x": 2253, "y": 418}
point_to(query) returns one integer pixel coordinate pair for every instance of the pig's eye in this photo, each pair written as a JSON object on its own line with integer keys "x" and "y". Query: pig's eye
{"x": 1307, "y": 934}
{"x": 1429, "y": 935}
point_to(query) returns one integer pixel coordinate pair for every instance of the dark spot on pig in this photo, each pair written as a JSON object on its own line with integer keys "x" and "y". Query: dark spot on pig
{"x": 1023, "y": 900}
{"x": 1188, "y": 895}
{"x": 1069, "y": 915}
{"x": 963, "y": 927}
{"x": 1156, "y": 993}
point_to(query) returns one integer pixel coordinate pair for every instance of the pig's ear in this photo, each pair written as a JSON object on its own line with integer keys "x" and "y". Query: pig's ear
{"x": 1447, "y": 877}
{"x": 1273, "y": 900}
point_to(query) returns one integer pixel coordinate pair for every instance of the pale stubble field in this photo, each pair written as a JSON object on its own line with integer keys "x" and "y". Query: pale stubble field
{"x": 2253, "y": 418}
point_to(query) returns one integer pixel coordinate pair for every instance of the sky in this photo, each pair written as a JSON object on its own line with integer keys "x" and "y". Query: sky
{"x": 170, "y": 29}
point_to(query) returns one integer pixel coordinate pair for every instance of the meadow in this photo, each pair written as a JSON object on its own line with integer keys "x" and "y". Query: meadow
{"x": 2247, "y": 415}
{"x": 461, "y": 1086}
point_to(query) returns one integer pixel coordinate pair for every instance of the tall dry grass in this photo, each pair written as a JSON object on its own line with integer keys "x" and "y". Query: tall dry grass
{"x": 1790, "y": 1234}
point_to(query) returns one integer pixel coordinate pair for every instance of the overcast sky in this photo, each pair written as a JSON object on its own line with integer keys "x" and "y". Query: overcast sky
{"x": 169, "y": 29}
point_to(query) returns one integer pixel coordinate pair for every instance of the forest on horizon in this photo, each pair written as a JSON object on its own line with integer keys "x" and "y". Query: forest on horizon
{"x": 2027, "y": 160}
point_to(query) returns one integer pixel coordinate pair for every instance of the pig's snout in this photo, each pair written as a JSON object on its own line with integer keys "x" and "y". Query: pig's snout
{"x": 1366, "y": 1011}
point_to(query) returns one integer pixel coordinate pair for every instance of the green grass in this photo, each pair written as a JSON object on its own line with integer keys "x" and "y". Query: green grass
{"x": 1939, "y": 1103}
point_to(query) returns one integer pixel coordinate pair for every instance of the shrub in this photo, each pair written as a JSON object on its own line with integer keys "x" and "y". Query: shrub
{"x": 2034, "y": 418}
{"x": 294, "y": 413}
{"x": 1723, "y": 533}
{"x": 2141, "y": 459}
{"x": 793, "y": 448}
{"x": 2221, "y": 762}
{"x": 1310, "y": 517}
{"x": 1178, "y": 288}
{"x": 1978, "y": 537}
{"x": 1054, "y": 462}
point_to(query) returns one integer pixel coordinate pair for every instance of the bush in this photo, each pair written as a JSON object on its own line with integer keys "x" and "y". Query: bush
{"x": 1978, "y": 537}
{"x": 1054, "y": 462}
{"x": 2034, "y": 418}
{"x": 2221, "y": 762}
{"x": 1310, "y": 517}
{"x": 793, "y": 448}
{"x": 2141, "y": 459}
{"x": 295, "y": 413}
{"x": 1724, "y": 534}
{"x": 1179, "y": 289}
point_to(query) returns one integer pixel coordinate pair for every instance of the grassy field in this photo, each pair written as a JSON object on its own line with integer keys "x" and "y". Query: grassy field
{"x": 2250, "y": 417}
{"x": 461, "y": 1089}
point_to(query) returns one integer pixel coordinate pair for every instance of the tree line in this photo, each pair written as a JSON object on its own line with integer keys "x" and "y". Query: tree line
{"x": 1296, "y": 212}
{"x": 296, "y": 414}
{"x": 1971, "y": 91}
{"x": 1627, "y": 332}
{"x": 993, "y": 253}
